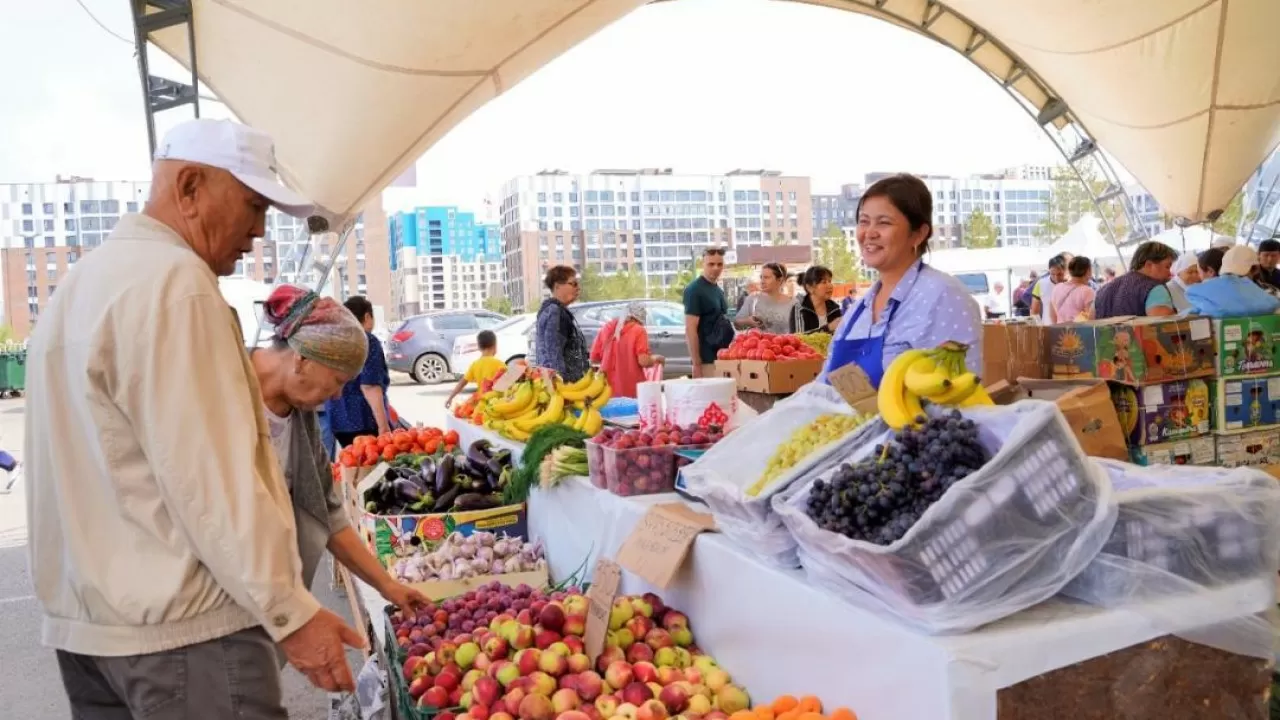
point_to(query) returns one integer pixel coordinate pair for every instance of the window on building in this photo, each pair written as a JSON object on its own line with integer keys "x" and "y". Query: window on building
{"x": 28, "y": 242}
{"x": 28, "y": 226}
{"x": 111, "y": 206}
{"x": 50, "y": 241}
{"x": 542, "y": 197}
{"x": 52, "y": 274}
{"x": 89, "y": 206}
{"x": 26, "y": 208}
{"x": 131, "y": 206}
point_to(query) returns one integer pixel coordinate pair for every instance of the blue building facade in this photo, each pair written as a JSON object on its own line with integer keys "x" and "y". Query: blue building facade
{"x": 443, "y": 230}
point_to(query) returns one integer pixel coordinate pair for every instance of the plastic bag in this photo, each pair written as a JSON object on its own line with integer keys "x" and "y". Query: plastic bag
{"x": 653, "y": 373}
{"x": 1188, "y": 530}
{"x": 721, "y": 476}
{"x": 1006, "y": 537}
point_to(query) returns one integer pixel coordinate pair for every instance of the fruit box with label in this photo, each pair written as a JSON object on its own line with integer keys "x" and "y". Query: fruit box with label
{"x": 1257, "y": 448}
{"x": 393, "y": 536}
{"x": 1247, "y": 345}
{"x": 1164, "y": 412}
{"x": 776, "y": 377}
{"x": 1244, "y": 403}
{"x": 1134, "y": 350}
{"x": 1192, "y": 451}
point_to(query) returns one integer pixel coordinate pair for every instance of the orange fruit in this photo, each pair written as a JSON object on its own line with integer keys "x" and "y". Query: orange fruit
{"x": 743, "y": 715}
{"x": 810, "y": 704}
{"x": 811, "y": 716}
{"x": 843, "y": 713}
{"x": 784, "y": 703}
{"x": 789, "y": 715}
{"x": 764, "y": 712}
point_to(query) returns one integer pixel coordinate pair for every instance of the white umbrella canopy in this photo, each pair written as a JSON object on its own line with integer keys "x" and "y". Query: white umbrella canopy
{"x": 1184, "y": 93}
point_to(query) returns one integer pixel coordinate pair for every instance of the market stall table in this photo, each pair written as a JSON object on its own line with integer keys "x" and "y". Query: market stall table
{"x": 777, "y": 634}
{"x": 469, "y": 433}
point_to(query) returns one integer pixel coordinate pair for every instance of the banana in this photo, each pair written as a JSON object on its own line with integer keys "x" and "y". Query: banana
{"x": 529, "y": 414}
{"x": 518, "y": 404}
{"x": 599, "y": 400}
{"x": 891, "y": 397}
{"x": 593, "y": 389}
{"x": 593, "y": 422}
{"x": 977, "y": 398}
{"x": 581, "y": 383}
{"x": 962, "y": 386}
{"x": 926, "y": 378}
{"x": 569, "y": 419}
{"x": 515, "y": 434}
{"x": 554, "y": 410}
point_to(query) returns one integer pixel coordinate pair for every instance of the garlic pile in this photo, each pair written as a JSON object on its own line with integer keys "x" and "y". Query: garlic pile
{"x": 459, "y": 556}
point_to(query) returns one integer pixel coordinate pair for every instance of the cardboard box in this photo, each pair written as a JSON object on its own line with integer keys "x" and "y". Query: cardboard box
{"x": 778, "y": 377}
{"x": 1245, "y": 403}
{"x": 443, "y": 589}
{"x": 1134, "y": 351}
{"x": 1165, "y": 412}
{"x": 1086, "y": 406}
{"x": 727, "y": 369}
{"x": 1247, "y": 345}
{"x": 1250, "y": 448}
{"x": 392, "y": 536}
{"x": 1014, "y": 350}
{"x": 1192, "y": 451}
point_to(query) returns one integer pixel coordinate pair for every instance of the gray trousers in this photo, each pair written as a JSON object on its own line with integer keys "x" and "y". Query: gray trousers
{"x": 237, "y": 676}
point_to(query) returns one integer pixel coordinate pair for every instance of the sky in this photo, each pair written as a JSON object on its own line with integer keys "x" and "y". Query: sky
{"x": 700, "y": 86}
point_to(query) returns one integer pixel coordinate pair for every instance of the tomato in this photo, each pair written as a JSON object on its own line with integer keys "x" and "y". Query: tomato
{"x": 451, "y": 437}
{"x": 348, "y": 458}
{"x": 417, "y": 450}
{"x": 432, "y": 446}
{"x": 389, "y": 453}
{"x": 768, "y": 356}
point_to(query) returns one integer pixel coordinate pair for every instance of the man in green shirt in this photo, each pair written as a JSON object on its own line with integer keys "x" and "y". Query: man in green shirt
{"x": 707, "y": 329}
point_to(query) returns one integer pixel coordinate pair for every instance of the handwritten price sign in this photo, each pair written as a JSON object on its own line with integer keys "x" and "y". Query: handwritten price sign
{"x": 657, "y": 546}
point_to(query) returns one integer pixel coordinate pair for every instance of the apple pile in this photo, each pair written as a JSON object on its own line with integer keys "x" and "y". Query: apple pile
{"x": 645, "y": 461}
{"x": 522, "y": 658}
{"x": 756, "y": 345}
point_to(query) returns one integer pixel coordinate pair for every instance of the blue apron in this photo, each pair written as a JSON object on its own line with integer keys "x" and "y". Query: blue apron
{"x": 867, "y": 353}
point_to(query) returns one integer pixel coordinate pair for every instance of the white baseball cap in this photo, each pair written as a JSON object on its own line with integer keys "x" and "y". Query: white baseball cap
{"x": 1239, "y": 260}
{"x": 248, "y": 154}
{"x": 1223, "y": 241}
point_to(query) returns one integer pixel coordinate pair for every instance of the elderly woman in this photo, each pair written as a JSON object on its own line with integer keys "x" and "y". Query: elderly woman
{"x": 622, "y": 350}
{"x": 1186, "y": 272}
{"x": 1142, "y": 291}
{"x": 317, "y": 346}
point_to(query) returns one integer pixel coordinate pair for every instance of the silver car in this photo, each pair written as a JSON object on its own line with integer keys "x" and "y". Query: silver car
{"x": 664, "y": 323}
{"x": 422, "y": 345}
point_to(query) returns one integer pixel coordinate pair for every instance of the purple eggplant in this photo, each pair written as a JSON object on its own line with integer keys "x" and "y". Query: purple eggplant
{"x": 444, "y": 474}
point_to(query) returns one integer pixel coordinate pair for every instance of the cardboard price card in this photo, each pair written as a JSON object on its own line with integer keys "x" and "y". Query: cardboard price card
{"x": 656, "y": 548}
{"x": 855, "y": 387}
{"x": 605, "y": 579}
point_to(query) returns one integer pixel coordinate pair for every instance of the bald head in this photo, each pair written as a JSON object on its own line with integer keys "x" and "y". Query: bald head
{"x": 216, "y": 214}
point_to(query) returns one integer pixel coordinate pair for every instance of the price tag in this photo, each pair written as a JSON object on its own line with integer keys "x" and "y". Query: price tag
{"x": 854, "y": 386}
{"x": 657, "y": 547}
{"x": 605, "y": 579}
{"x": 509, "y": 378}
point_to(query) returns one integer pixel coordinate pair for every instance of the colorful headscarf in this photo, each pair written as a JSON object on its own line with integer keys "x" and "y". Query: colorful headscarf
{"x": 317, "y": 328}
{"x": 635, "y": 311}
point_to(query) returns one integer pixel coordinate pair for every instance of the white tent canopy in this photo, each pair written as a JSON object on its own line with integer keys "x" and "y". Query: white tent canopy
{"x": 1181, "y": 92}
{"x": 1193, "y": 239}
{"x": 1082, "y": 238}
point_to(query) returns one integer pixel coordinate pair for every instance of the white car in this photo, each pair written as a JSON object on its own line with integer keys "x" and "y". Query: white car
{"x": 513, "y": 343}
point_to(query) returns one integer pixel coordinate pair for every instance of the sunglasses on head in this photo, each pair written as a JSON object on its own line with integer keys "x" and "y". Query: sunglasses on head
{"x": 713, "y": 251}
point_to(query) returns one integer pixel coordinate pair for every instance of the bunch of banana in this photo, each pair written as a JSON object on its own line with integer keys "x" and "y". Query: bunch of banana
{"x": 532, "y": 403}
{"x": 937, "y": 376}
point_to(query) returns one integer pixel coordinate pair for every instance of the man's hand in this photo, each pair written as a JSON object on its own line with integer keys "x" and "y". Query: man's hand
{"x": 697, "y": 369}
{"x": 315, "y": 649}
{"x": 409, "y": 601}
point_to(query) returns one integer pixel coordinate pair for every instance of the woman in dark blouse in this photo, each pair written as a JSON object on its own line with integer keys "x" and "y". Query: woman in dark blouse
{"x": 559, "y": 343}
{"x": 817, "y": 312}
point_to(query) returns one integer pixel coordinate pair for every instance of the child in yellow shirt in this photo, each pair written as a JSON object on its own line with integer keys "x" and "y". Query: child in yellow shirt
{"x": 486, "y": 367}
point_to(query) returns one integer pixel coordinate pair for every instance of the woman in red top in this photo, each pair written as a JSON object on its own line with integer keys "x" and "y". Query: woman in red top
{"x": 622, "y": 350}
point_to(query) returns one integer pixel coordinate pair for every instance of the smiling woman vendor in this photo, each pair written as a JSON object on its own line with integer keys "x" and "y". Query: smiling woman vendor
{"x": 912, "y": 305}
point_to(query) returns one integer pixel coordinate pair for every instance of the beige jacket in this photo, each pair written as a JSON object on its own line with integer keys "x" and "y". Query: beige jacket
{"x": 157, "y": 513}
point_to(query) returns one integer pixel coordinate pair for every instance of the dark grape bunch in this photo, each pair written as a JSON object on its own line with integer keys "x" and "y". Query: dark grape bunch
{"x": 881, "y": 497}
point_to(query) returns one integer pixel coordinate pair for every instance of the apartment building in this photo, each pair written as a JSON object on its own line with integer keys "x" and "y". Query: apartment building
{"x": 443, "y": 258}
{"x": 840, "y": 210}
{"x": 652, "y": 220}
{"x": 45, "y": 228}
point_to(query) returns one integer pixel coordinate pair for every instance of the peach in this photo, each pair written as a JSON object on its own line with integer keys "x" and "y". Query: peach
{"x": 627, "y": 710}
{"x": 574, "y": 715}
{"x": 698, "y": 705}
{"x": 528, "y": 660}
{"x": 693, "y": 675}
{"x": 543, "y": 684}
{"x": 553, "y": 664}
{"x": 591, "y": 712}
{"x": 485, "y": 691}
{"x": 575, "y": 624}
{"x": 609, "y": 656}
{"x": 546, "y": 638}
{"x": 639, "y": 652}
{"x": 560, "y": 648}
{"x": 482, "y": 662}
{"x": 511, "y": 701}
{"x": 607, "y": 705}
{"x": 579, "y": 662}
{"x": 589, "y": 685}
{"x": 565, "y": 700}
{"x": 500, "y": 715}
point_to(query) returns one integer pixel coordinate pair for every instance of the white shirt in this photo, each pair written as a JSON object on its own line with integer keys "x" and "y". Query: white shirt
{"x": 157, "y": 513}
{"x": 1045, "y": 292}
{"x": 279, "y": 428}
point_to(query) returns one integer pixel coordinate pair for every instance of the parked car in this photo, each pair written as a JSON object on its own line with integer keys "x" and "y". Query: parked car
{"x": 422, "y": 345}
{"x": 664, "y": 322}
{"x": 513, "y": 344}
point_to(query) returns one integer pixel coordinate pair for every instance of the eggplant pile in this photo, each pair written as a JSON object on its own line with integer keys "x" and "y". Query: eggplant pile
{"x": 422, "y": 484}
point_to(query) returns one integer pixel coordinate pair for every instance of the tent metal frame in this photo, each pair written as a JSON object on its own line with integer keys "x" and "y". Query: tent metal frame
{"x": 161, "y": 94}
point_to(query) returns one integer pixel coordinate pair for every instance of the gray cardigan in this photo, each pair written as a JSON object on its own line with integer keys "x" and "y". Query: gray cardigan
{"x": 317, "y": 507}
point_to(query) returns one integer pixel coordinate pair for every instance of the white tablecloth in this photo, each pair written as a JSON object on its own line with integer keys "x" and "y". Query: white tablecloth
{"x": 776, "y": 634}
{"x": 469, "y": 433}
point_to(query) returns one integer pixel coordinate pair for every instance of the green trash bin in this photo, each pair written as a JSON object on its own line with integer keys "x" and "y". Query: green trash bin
{"x": 15, "y": 373}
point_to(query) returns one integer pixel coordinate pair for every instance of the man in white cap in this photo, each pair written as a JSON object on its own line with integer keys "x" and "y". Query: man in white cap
{"x": 162, "y": 534}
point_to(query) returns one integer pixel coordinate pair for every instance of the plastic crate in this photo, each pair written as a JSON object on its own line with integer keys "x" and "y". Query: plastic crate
{"x": 1181, "y": 529}
{"x": 636, "y": 471}
{"x": 1006, "y": 537}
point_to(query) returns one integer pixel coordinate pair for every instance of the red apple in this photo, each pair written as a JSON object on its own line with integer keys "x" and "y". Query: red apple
{"x": 636, "y": 693}
{"x": 419, "y": 686}
{"x": 478, "y": 711}
{"x": 674, "y": 619}
{"x": 607, "y": 705}
{"x": 527, "y": 660}
{"x": 522, "y": 638}
{"x": 639, "y": 626}
{"x": 552, "y": 617}
{"x": 609, "y": 656}
{"x": 619, "y": 675}
{"x": 674, "y": 698}
{"x": 500, "y": 715}
{"x": 545, "y": 639}
{"x": 579, "y": 662}
{"x": 543, "y": 684}
{"x": 574, "y": 624}
{"x": 553, "y": 664}
{"x": 589, "y": 685}
{"x": 645, "y": 672}
{"x": 435, "y": 696}
{"x": 575, "y": 644}
{"x": 495, "y": 647}
{"x": 574, "y": 715}
{"x": 639, "y": 652}
{"x": 511, "y": 701}
{"x": 486, "y": 691}
{"x": 536, "y": 707}
{"x": 668, "y": 675}
{"x": 448, "y": 680}
{"x": 658, "y": 638}
{"x": 564, "y": 701}
{"x": 506, "y": 672}
{"x": 652, "y": 710}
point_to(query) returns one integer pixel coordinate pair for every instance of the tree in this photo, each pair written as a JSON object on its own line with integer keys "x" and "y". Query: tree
{"x": 837, "y": 255}
{"x": 616, "y": 286}
{"x": 1233, "y": 217}
{"x": 979, "y": 231}
{"x": 674, "y": 291}
{"x": 1068, "y": 200}
{"x": 500, "y": 304}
